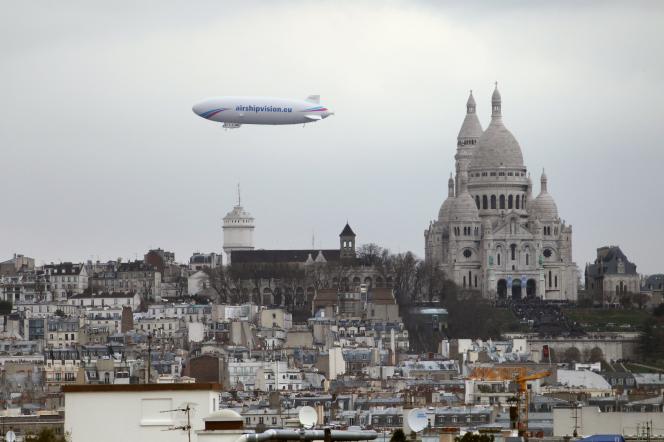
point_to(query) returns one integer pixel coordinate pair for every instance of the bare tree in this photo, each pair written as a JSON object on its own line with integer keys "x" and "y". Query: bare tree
{"x": 370, "y": 254}
{"x": 219, "y": 281}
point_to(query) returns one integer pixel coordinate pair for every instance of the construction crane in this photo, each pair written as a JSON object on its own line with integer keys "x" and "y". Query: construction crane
{"x": 523, "y": 401}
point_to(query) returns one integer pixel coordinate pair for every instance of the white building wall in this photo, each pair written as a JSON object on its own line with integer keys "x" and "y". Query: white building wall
{"x": 590, "y": 420}
{"x": 104, "y": 416}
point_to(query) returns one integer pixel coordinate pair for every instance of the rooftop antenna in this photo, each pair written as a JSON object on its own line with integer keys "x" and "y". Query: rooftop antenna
{"x": 185, "y": 426}
{"x": 239, "y": 196}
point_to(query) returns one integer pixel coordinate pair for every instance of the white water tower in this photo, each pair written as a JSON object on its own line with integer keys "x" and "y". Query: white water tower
{"x": 238, "y": 230}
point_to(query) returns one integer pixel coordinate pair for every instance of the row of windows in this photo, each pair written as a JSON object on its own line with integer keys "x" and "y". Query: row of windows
{"x": 467, "y": 231}
{"x": 156, "y": 327}
{"x": 501, "y": 202}
{"x": 67, "y": 338}
{"x": 502, "y": 173}
{"x": 261, "y": 420}
{"x": 68, "y": 376}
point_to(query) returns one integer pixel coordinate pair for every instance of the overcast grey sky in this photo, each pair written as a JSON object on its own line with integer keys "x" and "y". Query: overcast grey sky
{"x": 103, "y": 158}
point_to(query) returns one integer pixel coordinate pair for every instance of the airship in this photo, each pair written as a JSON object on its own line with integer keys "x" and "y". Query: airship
{"x": 236, "y": 111}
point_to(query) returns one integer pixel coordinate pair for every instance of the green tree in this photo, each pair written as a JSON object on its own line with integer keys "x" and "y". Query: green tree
{"x": 398, "y": 436}
{"x": 46, "y": 435}
{"x": 651, "y": 342}
{"x": 472, "y": 437}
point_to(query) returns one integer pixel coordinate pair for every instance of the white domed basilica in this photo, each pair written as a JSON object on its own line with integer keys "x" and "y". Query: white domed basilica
{"x": 491, "y": 235}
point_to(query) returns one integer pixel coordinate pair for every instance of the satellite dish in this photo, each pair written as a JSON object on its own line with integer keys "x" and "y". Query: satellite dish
{"x": 308, "y": 417}
{"x": 417, "y": 419}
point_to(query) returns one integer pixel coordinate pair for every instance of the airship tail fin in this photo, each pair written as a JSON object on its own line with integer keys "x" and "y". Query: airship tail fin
{"x": 313, "y": 117}
{"x": 314, "y": 99}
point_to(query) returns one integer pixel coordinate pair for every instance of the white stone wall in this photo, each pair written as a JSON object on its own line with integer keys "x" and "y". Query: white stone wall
{"x": 134, "y": 416}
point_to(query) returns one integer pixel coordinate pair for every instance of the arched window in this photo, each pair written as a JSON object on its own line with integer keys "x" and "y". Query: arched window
{"x": 549, "y": 278}
{"x": 477, "y": 201}
{"x": 526, "y": 259}
{"x": 475, "y": 281}
{"x": 493, "y": 201}
{"x": 470, "y": 278}
{"x": 523, "y": 201}
{"x": 517, "y": 202}
{"x": 485, "y": 203}
{"x": 556, "y": 281}
{"x": 502, "y": 201}
{"x": 499, "y": 259}
{"x": 510, "y": 202}
{"x": 513, "y": 250}
{"x": 464, "y": 282}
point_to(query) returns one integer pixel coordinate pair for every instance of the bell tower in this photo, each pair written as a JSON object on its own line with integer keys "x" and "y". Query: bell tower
{"x": 347, "y": 244}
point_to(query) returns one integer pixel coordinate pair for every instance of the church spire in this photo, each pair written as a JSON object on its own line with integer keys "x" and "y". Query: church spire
{"x": 496, "y": 103}
{"x": 543, "y": 182}
{"x": 450, "y": 186}
{"x": 470, "y": 104}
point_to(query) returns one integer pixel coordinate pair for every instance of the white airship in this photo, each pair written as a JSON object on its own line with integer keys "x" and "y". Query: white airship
{"x": 236, "y": 111}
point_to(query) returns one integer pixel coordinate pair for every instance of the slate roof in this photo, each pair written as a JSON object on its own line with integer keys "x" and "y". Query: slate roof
{"x": 655, "y": 282}
{"x": 608, "y": 258}
{"x": 280, "y": 256}
{"x": 134, "y": 266}
{"x": 347, "y": 231}
{"x": 64, "y": 268}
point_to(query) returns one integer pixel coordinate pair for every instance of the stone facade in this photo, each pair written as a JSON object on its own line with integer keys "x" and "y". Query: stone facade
{"x": 491, "y": 235}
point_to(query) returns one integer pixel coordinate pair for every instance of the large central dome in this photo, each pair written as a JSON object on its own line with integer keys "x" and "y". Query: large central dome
{"x": 497, "y": 147}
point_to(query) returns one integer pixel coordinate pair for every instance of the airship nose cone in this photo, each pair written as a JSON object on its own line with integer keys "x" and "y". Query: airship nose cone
{"x": 198, "y": 109}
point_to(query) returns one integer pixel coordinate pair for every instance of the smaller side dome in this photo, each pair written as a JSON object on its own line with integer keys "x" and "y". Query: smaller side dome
{"x": 464, "y": 207}
{"x": 544, "y": 207}
{"x": 445, "y": 209}
{"x": 444, "y": 212}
